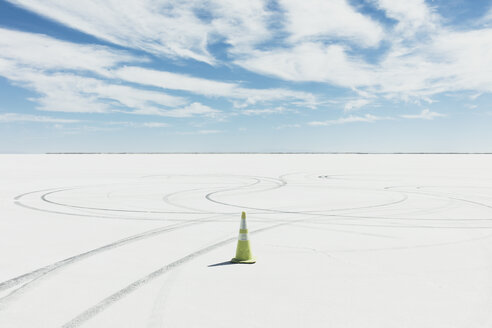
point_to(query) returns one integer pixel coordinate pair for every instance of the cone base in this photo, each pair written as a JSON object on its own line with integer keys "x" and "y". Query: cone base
{"x": 249, "y": 261}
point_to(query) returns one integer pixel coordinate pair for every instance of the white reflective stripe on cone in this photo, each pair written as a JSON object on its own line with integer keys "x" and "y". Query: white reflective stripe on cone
{"x": 243, "y": 236}
{"x": 243, "y": 224}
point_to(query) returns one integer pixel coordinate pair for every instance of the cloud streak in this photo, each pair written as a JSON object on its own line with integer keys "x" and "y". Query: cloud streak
{"x": 46, "y": 53}
{"x": 312, "y": 41}
{"x": 242, "y": 96}
{"x": 85, "y": 78}
{"x": 194, "y": 109}
{"x": 426, "y": 114}
{"x": 175, "y": 29}
{"x": 409, "y": 55}
{"x": 15, "y": 117}
{"x": 368, "y": 118}
{"x": 329, "y": 20}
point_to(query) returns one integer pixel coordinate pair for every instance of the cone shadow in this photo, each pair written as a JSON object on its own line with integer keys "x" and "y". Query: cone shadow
{"x": 221, "y": 264}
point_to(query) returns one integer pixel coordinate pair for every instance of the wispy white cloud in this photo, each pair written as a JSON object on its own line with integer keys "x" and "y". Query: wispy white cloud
{"x": 191, "y": 110}
{"x": 412, "y": 15}
{"x": 265, "y": 111}
{"x": 426, "y": 114}
{"x": 447, "y": 62}
{"x": 309, "y": 41}
{"x": 287, "y": 126}
{"x": 103, "y": 92}
{"x": 174, "y": 81}
{"x": 15, "y": 117}
{"x": 311, "y": 62}
{"x": 356, "y": 104}
{"x": 475, "y": 96}
{"x": 317, "y": 40}
{"x": 46, "y": 53}
{"x": 211, "y": 88}
{"x": 487, "y": 18}
{"x": 176, "y": 29}
{"x": 155, "y": 125}
{"x": 368, "y": 118}
{"x": 424, "y": 57}
{"x": 327, "y": 20}
{"x": 241, "y": 24}
{"x": 204, "y": 132}
{"x": 85, "y": 128}
{"x": 73, "y": 93}
{"x": 160, "y": 27}
{"x": 40, "y": 63}
{"x": 140, "y": 125}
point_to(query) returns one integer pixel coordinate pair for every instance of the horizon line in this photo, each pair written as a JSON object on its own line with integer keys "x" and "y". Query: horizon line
{"x": 266, "y": 153}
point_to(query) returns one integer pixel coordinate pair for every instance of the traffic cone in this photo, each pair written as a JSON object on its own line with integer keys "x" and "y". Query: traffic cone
{"x": 243, "y": 250}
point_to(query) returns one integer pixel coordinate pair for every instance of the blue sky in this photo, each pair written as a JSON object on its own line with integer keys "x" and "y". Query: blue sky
{"x": 245, "y": 76}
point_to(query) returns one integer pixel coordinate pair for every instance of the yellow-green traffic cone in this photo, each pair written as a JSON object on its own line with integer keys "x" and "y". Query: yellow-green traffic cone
{"x": 243, "y": 250}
